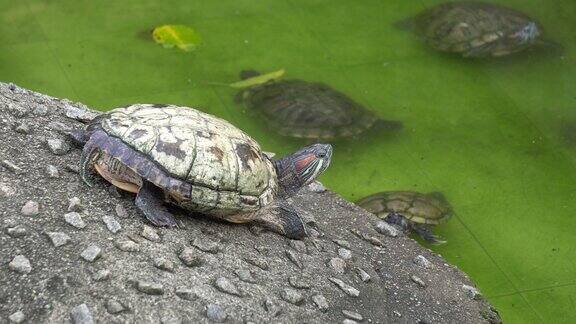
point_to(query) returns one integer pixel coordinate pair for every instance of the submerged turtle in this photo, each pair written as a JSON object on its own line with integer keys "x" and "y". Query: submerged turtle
{"x": 312, "y": 110}
{"x": 411, "y": 211}
{"x": 198, "y": 162}
{"x": 476, "y": 29}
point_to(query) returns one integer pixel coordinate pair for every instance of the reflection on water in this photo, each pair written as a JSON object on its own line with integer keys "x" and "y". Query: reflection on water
{"x": 487, "y": 133}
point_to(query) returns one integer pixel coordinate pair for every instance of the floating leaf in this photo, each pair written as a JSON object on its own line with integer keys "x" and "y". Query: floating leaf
{"x": 181, "y": 36}
{"x": 259, "y": 79}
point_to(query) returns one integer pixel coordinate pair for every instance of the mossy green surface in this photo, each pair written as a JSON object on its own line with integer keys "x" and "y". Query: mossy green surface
{"x": 489, "y": 134}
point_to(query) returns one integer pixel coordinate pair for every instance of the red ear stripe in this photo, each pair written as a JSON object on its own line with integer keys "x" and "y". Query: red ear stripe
{"x": 305, "y": 161}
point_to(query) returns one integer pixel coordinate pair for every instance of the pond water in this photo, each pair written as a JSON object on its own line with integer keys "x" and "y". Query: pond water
{"x": 496, "y": 136}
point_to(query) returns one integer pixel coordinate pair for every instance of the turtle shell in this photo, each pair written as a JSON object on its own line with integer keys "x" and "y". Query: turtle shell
{"x": 303, "y": 109}
{"x": 205, "y": 163}
{"x": 431, "y": 208}
{"x": 476, "y": 29}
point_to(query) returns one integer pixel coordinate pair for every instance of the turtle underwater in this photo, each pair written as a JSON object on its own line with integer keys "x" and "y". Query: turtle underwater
{"x": 311, "y": 110}
{"x": 411, "y": 211}
{"x": 476, "y": 29}
{"x": 198, "y": 162}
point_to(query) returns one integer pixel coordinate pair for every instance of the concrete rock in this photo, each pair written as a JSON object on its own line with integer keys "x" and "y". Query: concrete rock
{"x": 20, "y": 264}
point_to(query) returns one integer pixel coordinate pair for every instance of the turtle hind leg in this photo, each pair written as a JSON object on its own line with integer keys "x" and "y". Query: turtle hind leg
{"x": 149, "y": 202}
{"x": 282, "y": 219}
{"x": 89, "y": 154}
{"x": 426, "y": 234}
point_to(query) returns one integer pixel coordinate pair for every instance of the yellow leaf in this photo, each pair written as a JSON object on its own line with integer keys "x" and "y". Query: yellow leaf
{"x": 259, "y": 79}
{"x": 181, "y": 36}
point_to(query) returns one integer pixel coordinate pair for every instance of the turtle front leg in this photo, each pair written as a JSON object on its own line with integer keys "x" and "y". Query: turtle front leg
{"x": 149, "y": 202}
{"x": 426, "y": 234}
{"x": 283, "y": 219}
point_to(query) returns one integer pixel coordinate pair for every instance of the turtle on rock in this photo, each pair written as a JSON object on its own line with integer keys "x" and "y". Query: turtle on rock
{"x": 476, "y": 29}
{"x": 311, "y": 110}
{"x": 409, "y": 210}
{"x": 198, "y": 162}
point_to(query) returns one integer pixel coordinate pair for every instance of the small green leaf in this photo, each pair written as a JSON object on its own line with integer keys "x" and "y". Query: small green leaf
{"x": 183, "y": 37}
{"x": 259, "y": 79}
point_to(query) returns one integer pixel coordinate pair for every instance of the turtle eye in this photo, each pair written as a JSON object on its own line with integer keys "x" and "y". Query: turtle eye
{"x": 321, "y": 154}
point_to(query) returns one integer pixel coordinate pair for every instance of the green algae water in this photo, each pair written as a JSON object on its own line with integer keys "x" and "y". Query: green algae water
{"x": 496, "y": 136}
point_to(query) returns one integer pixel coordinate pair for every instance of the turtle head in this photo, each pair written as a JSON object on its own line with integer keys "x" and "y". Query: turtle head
{"x": 247, "y": 74}
{"x": 527, "y": 33}
{"x": 303, "y": 167}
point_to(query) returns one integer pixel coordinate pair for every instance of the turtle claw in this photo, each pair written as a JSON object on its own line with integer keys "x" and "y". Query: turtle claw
{"x": 152, "y": 207}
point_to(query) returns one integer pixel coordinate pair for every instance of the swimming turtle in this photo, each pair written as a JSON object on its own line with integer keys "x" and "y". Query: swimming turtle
{"x": 411, "y": 211}
{"x": 311, "y": 110}
{"x": 198, "y": 162}
{"x": 476, "y": 29}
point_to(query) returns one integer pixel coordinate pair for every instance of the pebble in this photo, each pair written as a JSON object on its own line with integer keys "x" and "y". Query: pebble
{"x": 58, "y": 146}
{"x": 418, "y": 281}
{"x": 148, "y": 232}
{"x": 383, "y": 227}
{"x": 91, "y": 253}
{"x": 292, "y": 296}
{"x": 81, "y": 315}
{"x": 190, "y": 258}
{"x": 206, "y": 245}
{"x": 352, "y": 315}
{"x": 349, "y": 321}
{"x": 114, "y": 307}
{"x": 338, "y": 265}
{"x": 215, "y": 313}
{"x": 74, "y": 219}
{"x": 74, "y": 205}
{"x": 422, "y": 261}
{"x": 294, "y": 258}
{"x": 127, "y": 246}
{"x": 371, "y": 239}
{"x": 22, "y": 128}
{"x": 150, "y": 288}
{"x": 260, "y": 263}
{"x": 272, "y": 308}
{"x": 12, "y": 167}
{"x": 111, "y": 223}
{"x": 299, "y": 282}
{"x": 245, "y": 275}
{"x": 58, "y": 238}
{"x": 40, "y": 110}
{"x": 17, "y": 317}
{"x": 472, "y": 292}
{"x": 345, "y": 254}
{"x": 20, "y": 264}
{"x": 164, "y": 264}
{"x": 363, "y": 275}
{"x": 121, "y": 211}
{"x": 52, "y": 171}
{"x": 299, "y": 246}
{"x": 30, "y": 208}
{"x": 186, "y": 294}
{"x": 397, "y": 313}
{"x": 80, "y": 114}
{"x": 226, "y": 286}
{"x": 6, "y": 191}
{"x": 351, "y": 291}
{"x": 102, "y": 275}
{"x": 316, "y": 186}
{"x": 17, "y": 231}
{"x": 342, "y": 243}
{"x": 320, "y": 302}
